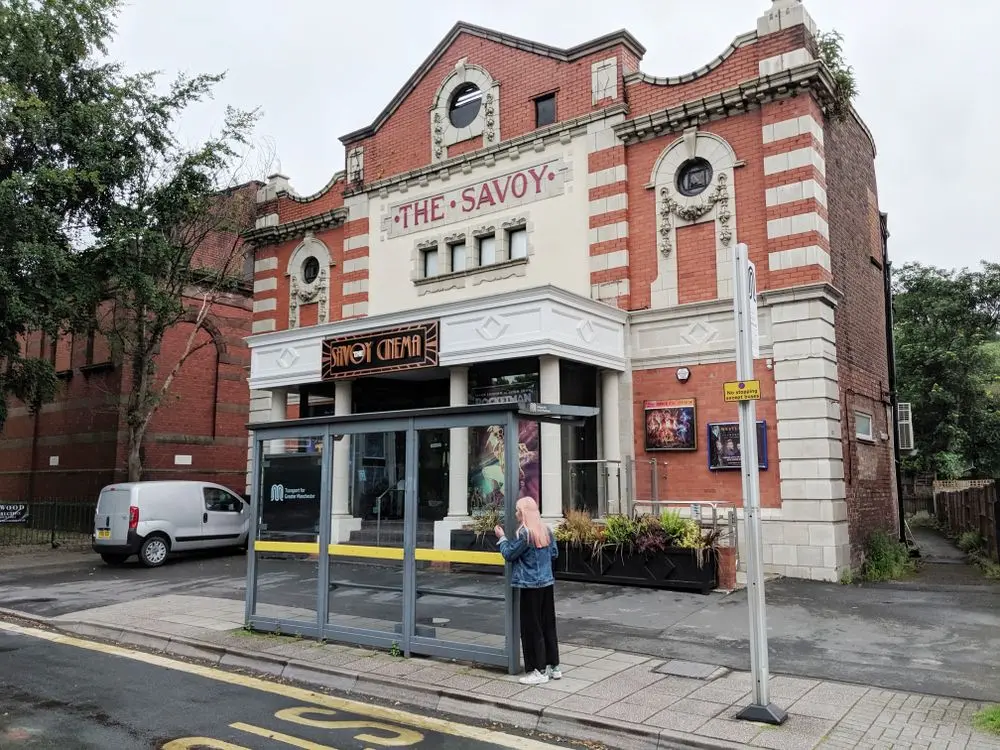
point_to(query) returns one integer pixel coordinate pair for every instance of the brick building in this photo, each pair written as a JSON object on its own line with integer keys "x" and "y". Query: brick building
{"x": 559, "y": 223}
{"x": 78, "y": 443}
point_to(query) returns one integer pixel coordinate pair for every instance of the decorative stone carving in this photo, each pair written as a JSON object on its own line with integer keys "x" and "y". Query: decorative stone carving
{"x": 438, "y": 136}
{"x": 490, "y": 134}
{"x": 669, "y": 207}
{"x": 301, "y": 292}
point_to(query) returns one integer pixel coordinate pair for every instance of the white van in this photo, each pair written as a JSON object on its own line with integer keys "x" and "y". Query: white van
{"x": 153, "y": 519}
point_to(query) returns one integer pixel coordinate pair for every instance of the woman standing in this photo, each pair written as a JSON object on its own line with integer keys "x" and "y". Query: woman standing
{"x": 531, "y": 555}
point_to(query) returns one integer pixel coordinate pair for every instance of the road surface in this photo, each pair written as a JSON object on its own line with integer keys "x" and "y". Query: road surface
{"x": 939, "y": 634}
{"x": 72, "y": 694}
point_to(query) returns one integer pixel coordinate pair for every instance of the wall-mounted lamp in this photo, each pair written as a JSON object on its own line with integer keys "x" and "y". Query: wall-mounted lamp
{"x": 683, "y": 374}
{"x": 769, "y": 363}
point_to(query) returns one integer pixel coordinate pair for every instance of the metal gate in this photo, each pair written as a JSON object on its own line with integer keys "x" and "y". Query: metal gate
{"x": 314, "y": 568}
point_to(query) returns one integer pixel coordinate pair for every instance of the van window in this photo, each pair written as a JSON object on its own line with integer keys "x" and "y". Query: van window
{"x": 221, "y": 501}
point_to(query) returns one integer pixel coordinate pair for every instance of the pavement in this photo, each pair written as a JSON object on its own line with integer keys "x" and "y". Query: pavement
{"x": 937, "y": 634}
{"x": 58, "y": 692}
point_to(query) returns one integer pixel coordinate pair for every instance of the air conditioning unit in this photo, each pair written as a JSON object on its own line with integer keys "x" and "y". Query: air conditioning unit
{"x": 904, "y": 417}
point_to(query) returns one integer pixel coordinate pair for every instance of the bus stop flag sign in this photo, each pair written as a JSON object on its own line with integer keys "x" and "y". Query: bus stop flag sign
{"x": 747, "y": 350}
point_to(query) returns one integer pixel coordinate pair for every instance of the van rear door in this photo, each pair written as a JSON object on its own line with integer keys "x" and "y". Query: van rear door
{"x": 111, "y": 518}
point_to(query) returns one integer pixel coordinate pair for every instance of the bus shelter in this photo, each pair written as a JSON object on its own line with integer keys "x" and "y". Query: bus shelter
{"x": 386, "y": 583}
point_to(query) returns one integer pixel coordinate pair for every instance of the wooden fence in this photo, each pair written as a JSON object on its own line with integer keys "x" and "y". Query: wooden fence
{"x": 973, "y": 509}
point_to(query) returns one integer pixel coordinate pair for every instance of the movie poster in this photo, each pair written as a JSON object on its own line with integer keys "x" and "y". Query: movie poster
{"x": 724, "y": 449}
{"x": 670, "y": 425}
{"x": 486, "y": 446}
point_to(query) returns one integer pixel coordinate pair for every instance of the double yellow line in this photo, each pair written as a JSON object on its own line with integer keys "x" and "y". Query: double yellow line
{"x": 382, "y": 553}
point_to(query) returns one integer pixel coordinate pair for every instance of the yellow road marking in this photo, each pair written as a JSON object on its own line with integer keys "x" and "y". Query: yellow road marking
{"x": 201, "y": 743}
{"x": 427, "y": 723}
{"x": 402, "y": 737}
{"x": 288, "y": 739}
{"x": 382, "y": 553}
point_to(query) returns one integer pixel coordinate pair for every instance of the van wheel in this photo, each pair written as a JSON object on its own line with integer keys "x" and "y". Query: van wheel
{"x": 153, "y": 551}
{"x": 111, "y": 559}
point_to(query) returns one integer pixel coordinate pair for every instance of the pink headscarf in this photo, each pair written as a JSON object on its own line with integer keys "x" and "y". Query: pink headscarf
{"x": 531, "y": 521}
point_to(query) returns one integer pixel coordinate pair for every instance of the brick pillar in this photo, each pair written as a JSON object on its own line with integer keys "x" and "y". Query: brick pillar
{"x": 608, "y": 212}
{"x": 355, "y": 265}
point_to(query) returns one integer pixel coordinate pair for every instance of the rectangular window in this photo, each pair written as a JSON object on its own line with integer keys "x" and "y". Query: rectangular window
{"x": 518, "y": 239}
{"x": 430, "y": 262}
{"x": 487, "y": 250}
{"x": 863, "y": 427}
{"x": 458, "y": 257}
{"x": 545, "y": 110}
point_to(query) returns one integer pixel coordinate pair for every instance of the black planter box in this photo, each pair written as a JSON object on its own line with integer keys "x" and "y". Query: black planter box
{"x": 676, "y": 569}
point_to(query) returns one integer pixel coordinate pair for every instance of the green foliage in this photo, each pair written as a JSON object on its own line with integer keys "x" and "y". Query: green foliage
{"x": 831, "y": 52}
{"x": 621, "y": 530}
{"x": 886, "y": 559}
{"x": 988, "y": 720}
{"x": 577, "y": 529}
{"x": 946, "y": 334}
{"x": 970, "y": 541}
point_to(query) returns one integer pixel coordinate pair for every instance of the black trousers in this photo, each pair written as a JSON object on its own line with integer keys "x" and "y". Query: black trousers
{"x": 538, "y": 629}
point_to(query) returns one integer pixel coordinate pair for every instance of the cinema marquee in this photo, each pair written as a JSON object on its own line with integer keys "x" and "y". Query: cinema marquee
{"x": 389, "y": 350}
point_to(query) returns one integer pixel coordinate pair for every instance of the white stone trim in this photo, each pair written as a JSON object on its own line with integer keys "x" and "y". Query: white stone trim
{"x": 787, "y": 61}
{"x": 355, "y": 309}
{"x": 718, "y": 152}
{"x": 798, "y": 224}
{"x": 799, "y": 257}
{"x": 265, "y": 305}
{"x": 785, "y": 14}
{"x": 265, "y": 285}
{"x": 796, "y": 126}
{"x": 608, "y": 176}
{"x": 268, "y": 220}
{"x": 796, "y": 191}
{"x": 356, "y": 264}
{"x": 606, "y": 261}
{"x": 263, "y": 326}
{"x": 355, "y": 287}
{"x": 301, "y": 292}
{"x": 487, "y": 121}
{"x": 801, "y": 157}
{"x": 604, "y": 80}
{"x": 601, "y": 206}
{"x": 609, "y": 232}
{"x": 355, "y": 165}
{"x": 265, "y": 264}
{"x": 609, "y": 289}
{"x": 355, "y": 242}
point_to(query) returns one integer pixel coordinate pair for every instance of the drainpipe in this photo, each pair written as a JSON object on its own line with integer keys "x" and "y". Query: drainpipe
{"x": 890, "y": 345}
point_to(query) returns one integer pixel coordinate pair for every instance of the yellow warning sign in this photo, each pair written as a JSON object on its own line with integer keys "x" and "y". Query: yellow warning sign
{"x": 743, "y": 390}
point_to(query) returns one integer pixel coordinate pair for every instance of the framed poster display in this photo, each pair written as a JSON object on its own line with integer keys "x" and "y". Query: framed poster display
{"x": 670, "y": 425}
{"x": 724, "y": 451}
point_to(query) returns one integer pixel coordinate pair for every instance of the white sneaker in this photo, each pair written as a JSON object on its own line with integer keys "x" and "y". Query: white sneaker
{"x": 554, "y": 673}
{"x": 534, "y": 678}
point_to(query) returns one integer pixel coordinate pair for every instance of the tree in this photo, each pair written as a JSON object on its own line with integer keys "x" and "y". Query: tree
{"x": 65, "y": 146}
{"x": 946, "y": 341}
{"x": 169, "y": 252}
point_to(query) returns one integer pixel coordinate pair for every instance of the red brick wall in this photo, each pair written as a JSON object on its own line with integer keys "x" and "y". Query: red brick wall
{"x": 860, "y": 329}
{"x": 404, "y": 141}
{"x": 687, "y": 476}
{"x": 696, "y": 263}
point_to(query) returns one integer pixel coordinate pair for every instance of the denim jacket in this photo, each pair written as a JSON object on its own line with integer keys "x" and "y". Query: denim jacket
{"x": 531, "y": 566}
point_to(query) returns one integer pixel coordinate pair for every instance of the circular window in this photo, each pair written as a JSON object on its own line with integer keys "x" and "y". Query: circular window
{"x": 694, "y": 177}
{"x": 465, "y": 104}
{"x": 310, "y": 269}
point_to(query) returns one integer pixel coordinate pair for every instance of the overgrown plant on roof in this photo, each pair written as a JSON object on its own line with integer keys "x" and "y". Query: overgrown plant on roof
{"x": 845, "y": 88}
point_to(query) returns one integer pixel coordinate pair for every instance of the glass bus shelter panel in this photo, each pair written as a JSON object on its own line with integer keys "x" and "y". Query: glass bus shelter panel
{"x": 366, "y": 555}
{"x": 459, "y": 573}
{"x": 286, "y": 546}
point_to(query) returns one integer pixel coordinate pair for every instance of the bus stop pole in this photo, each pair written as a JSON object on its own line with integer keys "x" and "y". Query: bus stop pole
{"x": 512, "y": 480}
{"x": 747, "y": 348}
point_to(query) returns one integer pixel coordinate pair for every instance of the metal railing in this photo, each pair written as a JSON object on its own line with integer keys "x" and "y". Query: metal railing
{"x": 46, "y": 523}
{"x": 723, "y": 516}
{"x": 595, "y": 486}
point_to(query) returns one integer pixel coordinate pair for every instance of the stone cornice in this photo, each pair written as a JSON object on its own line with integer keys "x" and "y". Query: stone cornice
{"x": 563, "y": 55}
{"x": 465, "y": 163}
{"x": 741, "y": 41}
{"x": 810, "y": 77}
{"x": 822, "y": 291}
{"x": 274, "y": 234}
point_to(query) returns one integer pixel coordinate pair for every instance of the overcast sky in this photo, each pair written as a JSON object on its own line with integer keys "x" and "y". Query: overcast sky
{"x": 318, "y": 69}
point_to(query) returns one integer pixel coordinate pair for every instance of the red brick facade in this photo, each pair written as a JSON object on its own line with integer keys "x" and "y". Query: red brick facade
{"x": 785, "y": 177}
{"x": 77, "y": 444}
